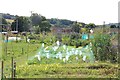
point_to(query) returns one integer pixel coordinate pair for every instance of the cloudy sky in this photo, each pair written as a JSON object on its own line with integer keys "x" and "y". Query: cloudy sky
{"x": 88, "y": 11}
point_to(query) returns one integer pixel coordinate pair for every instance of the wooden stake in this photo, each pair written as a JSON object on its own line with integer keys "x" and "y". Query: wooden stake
{"x": 12, "y": 68}
{"x": 2, "y": 70}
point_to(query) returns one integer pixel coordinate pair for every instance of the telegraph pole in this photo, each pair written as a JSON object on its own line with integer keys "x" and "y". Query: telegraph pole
{"x": 16, "y": 28}
{"x": 31, "y": 20}
{"x": 103, "y": 26}
{"x": 16, "y": 24}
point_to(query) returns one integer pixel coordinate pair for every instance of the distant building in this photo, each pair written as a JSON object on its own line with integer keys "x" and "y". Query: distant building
{"x": 61, "y": 30}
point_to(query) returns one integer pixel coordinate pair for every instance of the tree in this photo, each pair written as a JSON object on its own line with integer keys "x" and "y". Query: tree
{"x": 113, "y": 26}
{"x": 23, "y": 24}
{"x": 40, "y": 23}
{"x": 4, "y": 27}
{"x": 76, "y": 27}
{"x": 36, "y": 19}
{"x": 60, "y": 22}
{"x": 4, "y": 21}
{"x": 44, "y": 26}
{"x": 90, "y": 25}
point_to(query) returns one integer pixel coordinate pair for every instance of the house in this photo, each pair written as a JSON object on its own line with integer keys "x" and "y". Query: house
{"x": 61, "y": 30}
{"x": 56, "y": 29}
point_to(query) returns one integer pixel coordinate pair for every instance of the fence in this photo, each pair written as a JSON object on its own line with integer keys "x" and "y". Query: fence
{"x": 12, "y": 69}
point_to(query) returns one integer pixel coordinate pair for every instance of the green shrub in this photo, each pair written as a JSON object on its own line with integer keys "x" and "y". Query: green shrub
{"x": 34, "y": 36}
{"x": 101, "y": 47}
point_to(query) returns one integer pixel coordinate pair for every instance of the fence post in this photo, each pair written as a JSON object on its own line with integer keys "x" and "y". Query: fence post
{"x": 2, "y": 70}
{"x": 5, "y": 48}
{"x": 12, "y": 68}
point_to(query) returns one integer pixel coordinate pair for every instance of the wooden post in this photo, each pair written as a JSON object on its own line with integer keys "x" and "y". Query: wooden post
{"x": 12, "y": 68}
{"x": 2, "y": 70}
{"x": 16, "y": 38}
{"x": 104, "y": 27}
{"x": 5, "y": 49}
{"x": 7, "y": 37}
{"x": 27, "y": 51}
{"x": 26, "y": 37}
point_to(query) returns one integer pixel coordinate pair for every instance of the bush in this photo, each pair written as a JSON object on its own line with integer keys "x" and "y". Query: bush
{"x": 102, "y": 46}
{"x": 34, "y": 36}
{"x": 74, "y": 40}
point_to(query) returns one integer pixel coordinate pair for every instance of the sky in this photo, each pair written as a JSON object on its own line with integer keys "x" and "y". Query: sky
{"x": 87, "y": 11}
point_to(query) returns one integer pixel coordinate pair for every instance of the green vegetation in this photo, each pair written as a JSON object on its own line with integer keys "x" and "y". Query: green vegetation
{"x": 81, "y": 70}
{"x": 106, "y": 55}
{"x": 38, "y": 23}
{"x": 22, "y": 51}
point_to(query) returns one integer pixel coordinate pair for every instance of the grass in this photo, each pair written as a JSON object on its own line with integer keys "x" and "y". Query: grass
{"x": 20, "y": 56}
{"x": 68, "y": 70}
{"x": 21, "y": 51}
